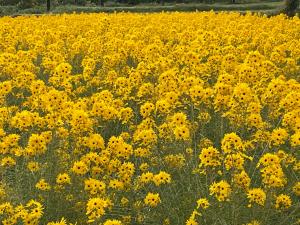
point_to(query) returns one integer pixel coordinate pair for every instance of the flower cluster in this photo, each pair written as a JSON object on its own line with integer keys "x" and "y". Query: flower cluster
{"x": 163, "y": 118}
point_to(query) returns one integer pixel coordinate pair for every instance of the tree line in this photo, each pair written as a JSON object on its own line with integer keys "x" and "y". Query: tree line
{"x": 290, "y": 9}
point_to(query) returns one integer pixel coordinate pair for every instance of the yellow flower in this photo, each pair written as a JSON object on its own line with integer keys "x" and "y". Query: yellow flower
{"x": 210, "y": 157}
{"x": 95, "y": 208}
{"x": 221, "y": 190}
{"x": 256, "y": 195}
{"x": 63, "y": 178}
{"x": 95, "y": 141}
{"x": 182, "y": 133}
{"x": 295, "y": 139}
{"x": 146, "y": 177}
{"x": 179, "y": 119}
{"x": 43, "y": 185}
{"x": 279, "y": 136}
{"x": 242, "y": 179}
{"x": 8, "y": 162}
{"x": 152, "y": 199}
{"x": 254, "y": 222}
{"x": 283, "y": 202}
{"x": 231, "y": 143}
{"x": 80, "y": 168}
{"x": 202, "y": 203}
{"x": 147, "y": 109}
{"x": 62, "y": 222}
{"x": 161, "y": 178}
{"x": 296, "y": 189}
{"x": 112, "y": 222}
{"x": 97, "y": 110}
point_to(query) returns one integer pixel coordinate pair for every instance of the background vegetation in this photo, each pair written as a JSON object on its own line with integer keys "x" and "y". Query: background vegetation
{"x": 16, "y": 7}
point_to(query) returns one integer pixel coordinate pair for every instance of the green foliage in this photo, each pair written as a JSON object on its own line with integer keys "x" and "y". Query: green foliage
{"x": 9, "y": 2}
{"x": 71, "y": 2}
{"x": 291, "y": 7}
{"x": 8, "y": 10}
{"x": 25, "y": 4}
{"x": 81, "y": 2}
{"x": 269, "y": 8}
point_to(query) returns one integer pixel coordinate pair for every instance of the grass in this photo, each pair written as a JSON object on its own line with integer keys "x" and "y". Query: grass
{"x": 265, "y": 7}
{"x": 176, "y": 7}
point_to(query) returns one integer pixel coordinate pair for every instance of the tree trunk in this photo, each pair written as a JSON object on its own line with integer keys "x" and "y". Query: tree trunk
{"x": 100, "y": 2}
{"x": 291, "y": 7}
{"x": 162, "y": 2}
{"x": 48, "y": 5}
{"x": 233, "y": 1}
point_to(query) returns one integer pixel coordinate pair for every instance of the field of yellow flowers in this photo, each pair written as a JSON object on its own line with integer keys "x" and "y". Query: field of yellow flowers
{"x": 162, "y": 119}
